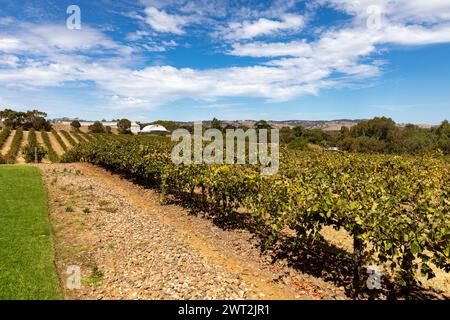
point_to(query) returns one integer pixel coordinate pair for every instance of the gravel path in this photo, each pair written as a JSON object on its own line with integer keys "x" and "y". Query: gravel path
{"x": 130, "y": 247}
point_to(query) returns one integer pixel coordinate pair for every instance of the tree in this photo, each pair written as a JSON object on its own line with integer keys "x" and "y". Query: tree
{"x": 262, "y": 124}
{"x": 286, "y": 135}
{"x": 32, "y": 152}
{"x": 38, "y": 123}
{"x": 124, "y": 126}
{"x": 26, "y": 120}
{"x": 315, "y": 136}
{"x": 216, "y": 124}
{"x": 444, "y": 129}
{"x": 367, "y": 144}
{"x": 36, "y": 119}
{"x": 97, "y": 127}
{"x": 380, "y": 134}
{"x": 299, "y": 131}
{"x": 169, "y": 125}
{"x": 231, "y": 127}
{"x": 443, "y": 137}
{"x": 383, "y": 129}
{"x": 345, "y": 132}
{"x": 188, "y": 127}
{"x": 413, "y": 140}
{"x": 298, "y": 144}
{"x": 76, "y": 125}
{"x": 444, "y": 145}
{"x": 13, "y": 119}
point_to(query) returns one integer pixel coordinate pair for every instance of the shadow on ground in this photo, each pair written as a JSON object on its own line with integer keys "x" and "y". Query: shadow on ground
{"x": 320, "y": 258}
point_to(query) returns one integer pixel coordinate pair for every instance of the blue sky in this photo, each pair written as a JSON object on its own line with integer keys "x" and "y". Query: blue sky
{"x": 194, "y": 60}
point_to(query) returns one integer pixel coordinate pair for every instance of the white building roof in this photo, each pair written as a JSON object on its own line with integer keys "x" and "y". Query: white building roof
{"x": 153, "y": 128}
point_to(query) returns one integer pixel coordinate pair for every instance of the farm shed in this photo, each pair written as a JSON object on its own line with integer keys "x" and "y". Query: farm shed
{"x": 153, "y": 128}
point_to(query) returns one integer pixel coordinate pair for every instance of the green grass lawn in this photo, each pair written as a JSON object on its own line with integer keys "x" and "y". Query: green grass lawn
{"x": 27, "y": 270}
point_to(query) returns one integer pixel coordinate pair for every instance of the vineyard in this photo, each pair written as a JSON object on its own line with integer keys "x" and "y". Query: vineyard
{"x": 393, "y": 209}
{"x": 396, "y": 209}
{"x": 19, "y": 146}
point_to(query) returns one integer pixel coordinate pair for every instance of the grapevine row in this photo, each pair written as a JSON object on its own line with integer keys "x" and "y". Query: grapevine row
{"x": 59, "y": 139}
{"x": 78, "y": 137}
{"x": 4, "y": 134}
{"x": 33, "y": 152}
{"x": 69, "y": 138}
{"x": 53, "y": 157}
{"x": 15, "y": 146}
{"x": 395, "y": 208}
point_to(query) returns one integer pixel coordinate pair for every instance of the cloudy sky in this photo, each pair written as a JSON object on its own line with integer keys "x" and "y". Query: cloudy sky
{"x": 193, "y": 60}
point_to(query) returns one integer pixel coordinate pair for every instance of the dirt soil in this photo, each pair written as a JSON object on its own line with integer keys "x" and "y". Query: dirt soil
{"x": 129, "y": 246}
{"x": 41, "y": 142}
{"x": 7, "y": 144}
{"x": 73, "y": 137}
{"x": 20, "y": 159}
{"x": 63, "y": 137}
{"x": 55, "y": 144}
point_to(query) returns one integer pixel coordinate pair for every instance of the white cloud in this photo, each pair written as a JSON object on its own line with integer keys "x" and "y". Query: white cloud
{"x": 336, "y": 58}
{"x": 416, "y": 35}
{"x": 263, "y": 27}
{"x": 397, "y": 10}
{"x": 38, "y": 75}
{"x": 9, "y": 44}
{"x": 348, "y": 42}
{"x": 9, "y": 61}
{"x": 343, "y": 50}
{"x": 50, "y": 38}
{"x": 129, "y": 101}
{"x": 137, "y": 35}
{"x": 161, "y": 21}
{"x": 211, "y": 9}
{"x": 314, "y": 63}
{"x": 277, "y": 49}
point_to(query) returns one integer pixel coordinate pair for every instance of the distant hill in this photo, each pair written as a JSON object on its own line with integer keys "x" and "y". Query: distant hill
{"x": 332, "y": 125}
{"x": 326, "y": 125}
